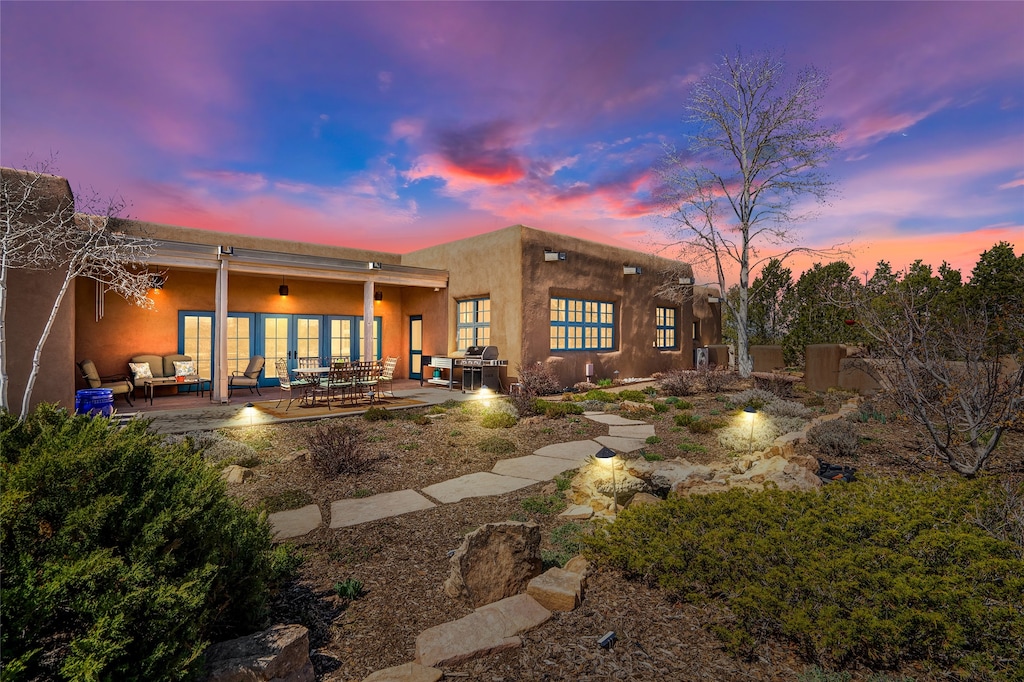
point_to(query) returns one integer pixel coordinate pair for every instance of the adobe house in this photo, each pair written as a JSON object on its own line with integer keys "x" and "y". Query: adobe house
{"x": 221, "y": 298}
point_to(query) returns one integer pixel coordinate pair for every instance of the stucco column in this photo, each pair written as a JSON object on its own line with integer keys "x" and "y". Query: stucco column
{"x": 219, "y": 383}
{"x": 368, "y": 349}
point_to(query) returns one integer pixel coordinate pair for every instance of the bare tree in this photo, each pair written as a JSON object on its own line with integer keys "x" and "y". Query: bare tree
{"x": 759, "y": 147}
{"x": 946, "y": 371}
{"x": 45, "y": 232}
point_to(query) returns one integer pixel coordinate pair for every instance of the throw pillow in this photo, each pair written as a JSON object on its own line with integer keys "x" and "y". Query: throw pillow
{"x": 141, "y": 370}
{"x": 185, "y": 369}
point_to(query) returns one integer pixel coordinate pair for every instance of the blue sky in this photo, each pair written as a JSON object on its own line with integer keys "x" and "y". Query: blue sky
{"x": 395, "y": 126}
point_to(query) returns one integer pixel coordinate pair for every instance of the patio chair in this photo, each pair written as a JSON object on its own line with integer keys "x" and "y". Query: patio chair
{"x": 119, "y": 384}
{"x": 338, "y": 384}
{"x": 288, "y": 385}
{"x": 366, "y": 374}
{"x": 387, "y": 376}
{"x": 250, "y": 378}
{"x": 307, "y": 363}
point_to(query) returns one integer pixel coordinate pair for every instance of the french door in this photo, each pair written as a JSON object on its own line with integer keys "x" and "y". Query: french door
{"x": 416, "y": 347}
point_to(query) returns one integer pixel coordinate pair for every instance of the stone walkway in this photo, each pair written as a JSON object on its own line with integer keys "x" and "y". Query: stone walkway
{"x": 507, "y": 475}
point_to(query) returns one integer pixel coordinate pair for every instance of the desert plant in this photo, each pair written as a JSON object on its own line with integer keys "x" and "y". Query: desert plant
{"x": 633, "y": 395}
{"x": 226, "y": 451}
{"x": 496, "y": 445}
{"x": 661, "y": 408}
{"x": 753, "y": 397}
{"x": 698, "y": 425}
{"x": 605, "y": 383}
{"x": 123, "y": 557}
{"x": 715, "y": 380}
{"x": 538, "y": 379}
{"x": 493, "y": 419}
{"x": 565, "y": 540}
{"x": 292, "y": 498}
{"x": 679, "y": 382}
{"x": 377, "y": 414}
{"x": 741, "y": 436}
{"x": 652, "y": 440}
{"x": 788, "y": 408}
{"x": 543, "y": 504}
{"x": 557, "y": 410}
{"x": 592, "y": 405}
{"x": 835, "y": 439}
{"x": 335, "y": 448}
{"x": 684, "y": 419}
{"x": 684, "y": 405}
{"x": 601, "y": 396}
{"x": 350, "y": 589}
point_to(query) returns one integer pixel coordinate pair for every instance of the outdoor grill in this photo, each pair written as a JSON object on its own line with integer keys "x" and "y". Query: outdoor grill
{"x": 480, "y": 368}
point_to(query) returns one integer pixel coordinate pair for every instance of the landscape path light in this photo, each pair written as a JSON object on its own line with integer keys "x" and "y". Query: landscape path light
{"x": 751, "y": 414}
{"x": 607, "y": 455}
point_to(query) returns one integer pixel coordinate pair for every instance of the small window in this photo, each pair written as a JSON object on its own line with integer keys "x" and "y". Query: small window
{"x": 474, "y": 323}
{"x": 666, "y": 328}
{"x": 696, "y": 330}
{"x": 582, "y": 325}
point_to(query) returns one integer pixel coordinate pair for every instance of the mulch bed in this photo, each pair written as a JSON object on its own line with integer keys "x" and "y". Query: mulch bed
{"x": 402, "y": 561}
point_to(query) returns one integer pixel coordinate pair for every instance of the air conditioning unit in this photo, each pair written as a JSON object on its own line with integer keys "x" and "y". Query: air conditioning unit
{"x": 700, "y": 357}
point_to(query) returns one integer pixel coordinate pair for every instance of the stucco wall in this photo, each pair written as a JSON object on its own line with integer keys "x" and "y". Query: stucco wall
{"x": 125, "y": 330}
{"x": 31, "y": 296}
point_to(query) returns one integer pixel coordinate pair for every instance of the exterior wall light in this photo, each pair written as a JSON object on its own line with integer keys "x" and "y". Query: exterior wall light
{"x": 631, "y": 270}
{"x": 714, "y": 299}
{"x": 225, "y": 250}
{"x": 553, "y": 256}
{"x": 607, "y": 456}
{"x": 378, "y": 296}
{"x": 686, "y": 281}
{"x": 283, "y": 289}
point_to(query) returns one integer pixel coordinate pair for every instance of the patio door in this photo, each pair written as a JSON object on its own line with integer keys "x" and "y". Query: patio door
{"x": 290, "y": 337}
{"x": 345, "y": 336}
{"x": 195, "y": 339}
{"x": 416, "y": 347}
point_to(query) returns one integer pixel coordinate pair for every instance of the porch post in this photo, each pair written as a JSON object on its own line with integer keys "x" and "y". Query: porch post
{"x": 220, "y": 336}
{"x": 368, "y": 349}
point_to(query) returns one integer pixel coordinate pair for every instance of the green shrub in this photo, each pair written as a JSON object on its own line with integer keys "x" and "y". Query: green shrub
{"x": 601, "y": 396}
{"x": 684, "y": 405}
{"x": 685, "y": 419}
{"x": 123, "y": 557}
{"x": 874, "y": 573}
{"x": 565, "y": 540}
{"x": 660, "y": 408}
{"x": 350, "y": 589}
{"x": 496, "y": 445}
{"x": 558, "y": 410}
{"x": 543, "y": 504}
{"x": 686, "y": 446}
{"x": 605, "y": 383}
{"x": 633, "y": 395}
{"x": 814, "y": 400}
{"x": 497, "y": 420}
{"x": 377, "y": 414}
{"x": 652, "y": 440}
{"x": 704, "y": 425}
{"x": 651, "y": 456}
{"x": 563, "y": 481}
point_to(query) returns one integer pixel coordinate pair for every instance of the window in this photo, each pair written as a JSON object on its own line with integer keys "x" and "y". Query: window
{"x": 696, "y": 330}
{"x": 666, "y": 327}
{"x": 474, "y": 323}
{"x": 582, "y": 325}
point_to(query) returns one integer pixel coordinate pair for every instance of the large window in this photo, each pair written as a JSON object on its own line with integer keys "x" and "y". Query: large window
{"x": 474, "y": 325}
{"x": 666, "y": 327}
{"x": 582, "y": 325}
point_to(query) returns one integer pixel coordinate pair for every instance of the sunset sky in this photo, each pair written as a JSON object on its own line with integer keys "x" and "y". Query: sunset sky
{"x": 394, "y": 126}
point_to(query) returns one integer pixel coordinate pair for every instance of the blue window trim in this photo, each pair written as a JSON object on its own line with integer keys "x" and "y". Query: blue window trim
{"x": 563, "y": 327}
{"x": 662, "y": 328}
{"x": 475, "y": 326}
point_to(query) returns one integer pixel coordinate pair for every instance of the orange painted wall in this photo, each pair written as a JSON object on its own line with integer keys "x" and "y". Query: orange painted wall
{"x": 126, "y": 331}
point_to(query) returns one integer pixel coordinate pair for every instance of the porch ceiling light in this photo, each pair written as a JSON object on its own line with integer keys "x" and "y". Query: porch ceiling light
{"x": 631, "y": 270}
{"x": 374, "y": 265}
{"x": 378, "y": 296}
{"x": 226, "y": 250}
{"x": 283, "y": 290}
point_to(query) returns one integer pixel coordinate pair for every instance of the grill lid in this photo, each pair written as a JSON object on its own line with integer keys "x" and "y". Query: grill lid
{"x": 482, "y": 352}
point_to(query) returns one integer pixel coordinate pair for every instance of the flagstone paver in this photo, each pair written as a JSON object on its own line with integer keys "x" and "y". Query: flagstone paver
{"x": 490, "y": 629}
{"x": 612, "y": 419}
{"x": 475, "y": 485}
{"x": 577, "y": 450}
{"x": 633, "y": 431}
{"x": 621, "y": 444}
{"x": 360, "y": 510}
{"x": 534, "y": 467}
{"x": 295, "y": 522}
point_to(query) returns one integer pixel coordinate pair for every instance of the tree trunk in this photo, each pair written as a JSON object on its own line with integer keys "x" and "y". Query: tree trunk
{"x": 4, "y": 382}
{"x": 37, "y": 355}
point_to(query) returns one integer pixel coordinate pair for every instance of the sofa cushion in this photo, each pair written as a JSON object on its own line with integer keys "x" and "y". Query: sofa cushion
{"x": 140, "y": 370}
{"x": 169, "y": 361}
{"x": 155, "y": 362}
{"x": 185, "y": 369}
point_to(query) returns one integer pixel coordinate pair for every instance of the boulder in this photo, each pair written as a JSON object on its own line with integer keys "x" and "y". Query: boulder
{"x": 642, "y": 499}
{"x": 279, "y": 654}
{"x": 236, "y": 474}
{"x": 557, "y": 589}
{"x": 495, "y": 561}
{"x": 407, "y": 672}
{"x": 579, "y": 565}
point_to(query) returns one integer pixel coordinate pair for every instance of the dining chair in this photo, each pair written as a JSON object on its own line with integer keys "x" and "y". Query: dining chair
{"x": 387, "y": 375}
{"x": 288, "y": 384}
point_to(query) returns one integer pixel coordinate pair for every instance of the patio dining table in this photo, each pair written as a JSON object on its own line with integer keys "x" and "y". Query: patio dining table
{"x": 312, "y": 375}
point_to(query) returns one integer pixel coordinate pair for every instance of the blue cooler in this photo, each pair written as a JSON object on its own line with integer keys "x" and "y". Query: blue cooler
{"x": 93, "y": 401}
